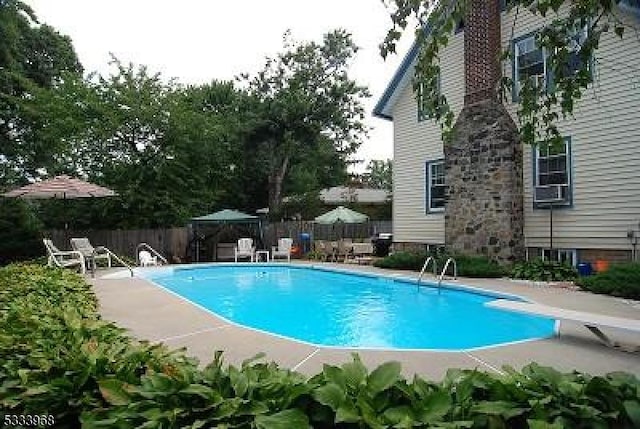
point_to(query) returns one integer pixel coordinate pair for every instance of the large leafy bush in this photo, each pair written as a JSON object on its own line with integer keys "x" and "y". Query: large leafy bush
{"x": 57, "y": 357}
{"x": 546, "y": 271}
{"x": 619, "y": 280}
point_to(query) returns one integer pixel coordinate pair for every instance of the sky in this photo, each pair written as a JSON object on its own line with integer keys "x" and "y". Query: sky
{"x": 196, "y": 41}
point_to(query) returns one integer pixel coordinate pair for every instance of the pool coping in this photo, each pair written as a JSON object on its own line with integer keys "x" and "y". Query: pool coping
{"x": 408, "y": 280}
{"x": 149, "y": 313}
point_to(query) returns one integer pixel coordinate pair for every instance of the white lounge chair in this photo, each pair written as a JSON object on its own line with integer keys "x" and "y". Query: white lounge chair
{"x": 283, "y": 250}
{"x": 63, "y": 259}
{"x": 244, "y": 249}
{"x": 146, "y": 259}
{"x": 90, "y": 253}
{"x": 593, "y": 322}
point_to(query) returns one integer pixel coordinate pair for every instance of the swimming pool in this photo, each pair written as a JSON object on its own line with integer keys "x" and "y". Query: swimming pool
{"x": 339, "y": 309}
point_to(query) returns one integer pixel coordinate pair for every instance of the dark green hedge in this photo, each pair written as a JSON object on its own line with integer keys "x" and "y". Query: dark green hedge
{"x": 468, "y": 266}
{"x": 619, "y": 280}
{"x": 57, "y": 357}
{"x": 19, "y": 232}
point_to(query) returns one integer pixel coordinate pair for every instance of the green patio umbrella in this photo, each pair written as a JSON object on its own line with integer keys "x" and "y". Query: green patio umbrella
{"x": 341, "y": 214}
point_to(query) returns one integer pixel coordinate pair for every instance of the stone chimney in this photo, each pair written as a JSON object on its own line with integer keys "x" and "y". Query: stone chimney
{"x": 483, "y": 162}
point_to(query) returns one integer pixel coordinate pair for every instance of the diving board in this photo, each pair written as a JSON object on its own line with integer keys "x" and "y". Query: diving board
{"x": 591, "y": 321}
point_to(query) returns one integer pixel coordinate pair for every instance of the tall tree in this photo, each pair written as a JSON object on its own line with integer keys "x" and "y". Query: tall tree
{"x": 169, "y": 151}
{"x": 32, "y": 56}
{"x": 379, "y": 174}
{"x": 306, "y": 100}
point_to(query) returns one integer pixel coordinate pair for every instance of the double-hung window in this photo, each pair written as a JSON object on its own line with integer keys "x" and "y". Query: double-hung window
{"x": 574, "y": 45}
{"x": 435, "y": 186}
{"x": 530, "y": 64}
{"x": 552, "y": 174}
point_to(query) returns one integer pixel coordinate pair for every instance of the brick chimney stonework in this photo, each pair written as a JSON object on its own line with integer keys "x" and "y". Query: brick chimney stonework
{"x": 483, "y": 162}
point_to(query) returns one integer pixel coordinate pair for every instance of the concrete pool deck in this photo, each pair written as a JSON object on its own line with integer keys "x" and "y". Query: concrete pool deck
{"x": 151, "y": 313}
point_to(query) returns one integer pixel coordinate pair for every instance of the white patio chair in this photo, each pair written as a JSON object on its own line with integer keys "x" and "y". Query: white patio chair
{"x": 244, "y": 248}
{"x": 63, "y": 259}
{"x": 146, "y": 259}
{"x": 90, "y": 253}
{"x": 283, "y": 250}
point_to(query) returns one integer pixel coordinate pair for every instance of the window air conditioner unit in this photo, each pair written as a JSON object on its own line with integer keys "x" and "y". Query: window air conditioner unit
{"x": 550, "y": 194}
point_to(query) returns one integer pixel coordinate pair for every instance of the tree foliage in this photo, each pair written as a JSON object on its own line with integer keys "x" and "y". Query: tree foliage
{"x": 539, "y": 108}
{"x": 166, "y": 149}
{"x": 32, "y": 57}
{"x": 172, "y": 151}
{"x": 379, "y": 174}
{"x": 309, "y": 108}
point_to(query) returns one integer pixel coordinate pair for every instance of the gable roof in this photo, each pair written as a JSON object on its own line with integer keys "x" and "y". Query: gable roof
{"x": 384, "y": 107}
{"x": 344, "y": 194}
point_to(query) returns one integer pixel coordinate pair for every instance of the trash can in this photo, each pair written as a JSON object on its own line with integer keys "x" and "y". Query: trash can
{"x": 381, "y": 243}
{"x": 305, "y": 241}
{"x": 584, "y": 269}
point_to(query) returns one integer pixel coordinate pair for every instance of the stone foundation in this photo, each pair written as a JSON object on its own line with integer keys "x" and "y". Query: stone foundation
{"x": 414, "y": 247}
{"x": 483, "y": 170}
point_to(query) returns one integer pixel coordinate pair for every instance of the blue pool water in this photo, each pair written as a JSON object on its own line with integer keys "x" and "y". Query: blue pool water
{"x": 337, "y": 309}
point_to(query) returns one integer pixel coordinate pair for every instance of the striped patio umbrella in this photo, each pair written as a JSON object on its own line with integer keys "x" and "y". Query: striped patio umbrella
{"x": 64, "y": 187}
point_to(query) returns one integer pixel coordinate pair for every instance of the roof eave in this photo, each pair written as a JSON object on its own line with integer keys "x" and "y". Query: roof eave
{"x": 384, "y": 106}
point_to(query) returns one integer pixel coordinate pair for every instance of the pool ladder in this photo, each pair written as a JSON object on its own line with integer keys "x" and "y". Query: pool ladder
{"x": 425, "y": 266}
{"x": 444, "y": 270}
{"x": 113, "y": 255}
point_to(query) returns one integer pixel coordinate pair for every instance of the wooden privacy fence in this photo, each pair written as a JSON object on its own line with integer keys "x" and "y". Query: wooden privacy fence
{"x": 293, "y": 229}
{"x": 170, "y": 242}
{"x": 173, "y": 243}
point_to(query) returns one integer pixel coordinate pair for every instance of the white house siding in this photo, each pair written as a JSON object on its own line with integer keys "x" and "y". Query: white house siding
{"x": 605, "y": 149}
{"x": 415, "y": 143}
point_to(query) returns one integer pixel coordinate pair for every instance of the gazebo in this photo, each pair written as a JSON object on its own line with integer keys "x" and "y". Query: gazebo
{"x": 215, "y": 234}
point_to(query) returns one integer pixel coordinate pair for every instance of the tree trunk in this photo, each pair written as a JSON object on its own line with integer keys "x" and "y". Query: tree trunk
{"x": 275, "y": 187}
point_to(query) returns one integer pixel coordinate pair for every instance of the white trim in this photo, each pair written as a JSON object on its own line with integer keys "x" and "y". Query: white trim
{"x": 516, "y": 74}
{"x": 430, "y": 209}
{"x": 574, "y": 256}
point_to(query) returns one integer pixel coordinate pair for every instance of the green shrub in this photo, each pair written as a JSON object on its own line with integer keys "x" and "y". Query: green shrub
{"x": 619, "y": 280}
{"x": 402, "y": 261}
{"x": 546, "y": 271}
{"x": 478, "y": 266}
{"x": 468, "y": 266}
{"x": 57, "y": 357}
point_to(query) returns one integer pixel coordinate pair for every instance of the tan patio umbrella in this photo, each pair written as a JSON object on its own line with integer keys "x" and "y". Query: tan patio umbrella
{"x": 62, "y": 187}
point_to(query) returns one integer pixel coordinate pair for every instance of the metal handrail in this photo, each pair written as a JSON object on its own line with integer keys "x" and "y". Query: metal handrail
{"x": 154, "y": 251}
{"x": 113, "y": 255}
{"x": 425, "y": 266}
{"x": 444, "y": 270}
